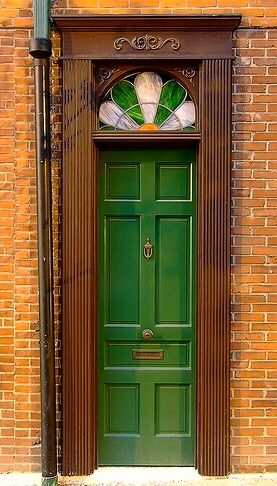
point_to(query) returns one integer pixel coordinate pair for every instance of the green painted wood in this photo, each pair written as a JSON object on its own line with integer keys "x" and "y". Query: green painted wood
{"x": 172, "y": 270}
{"x": 120, "y": 354}
{"x": 122, "y": 274}
{"x": 173, "y": 184}
{"x": 147, "y": 407}
{"x": 122, "y": 181}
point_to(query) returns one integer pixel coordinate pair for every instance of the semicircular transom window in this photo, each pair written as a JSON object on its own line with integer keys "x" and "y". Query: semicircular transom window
{"x": 147, "y": 101}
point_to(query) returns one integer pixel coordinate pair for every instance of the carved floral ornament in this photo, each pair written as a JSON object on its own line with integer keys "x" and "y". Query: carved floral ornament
{"x": 147, "y": 43}
{"x": 106, "y": 73}
{"x": 188, "y": 73}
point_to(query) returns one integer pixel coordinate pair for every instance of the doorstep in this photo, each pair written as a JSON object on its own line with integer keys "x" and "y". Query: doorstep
{"x": 144, "y": 476}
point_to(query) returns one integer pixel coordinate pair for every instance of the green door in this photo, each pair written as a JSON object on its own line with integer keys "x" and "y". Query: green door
{"x": 147, "y": 380}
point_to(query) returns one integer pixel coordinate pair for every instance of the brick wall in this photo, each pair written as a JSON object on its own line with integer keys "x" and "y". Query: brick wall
{"x": 254, "y": 240}
{"x": 7, "y": 246}
{"x": 19, "y": 356}
{"x": 254, "y": 229}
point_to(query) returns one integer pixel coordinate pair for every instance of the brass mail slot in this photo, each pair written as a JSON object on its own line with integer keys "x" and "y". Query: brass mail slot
{"x": 145, "y": 354}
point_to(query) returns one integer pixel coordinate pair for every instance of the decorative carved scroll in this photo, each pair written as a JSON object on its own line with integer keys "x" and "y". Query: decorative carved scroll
{"x": 188, "y": 73}
{"x": 106, "y": 73}
{"x": 146, "y": 43}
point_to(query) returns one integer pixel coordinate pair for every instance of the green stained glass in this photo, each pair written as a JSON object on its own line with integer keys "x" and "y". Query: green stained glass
{"x": 123, "y": 93}
{"x": 136, "y": 114}
{"x": 172, "y": 95}
{"x": 147, "y": 101}
{"x": 162, "y": 114}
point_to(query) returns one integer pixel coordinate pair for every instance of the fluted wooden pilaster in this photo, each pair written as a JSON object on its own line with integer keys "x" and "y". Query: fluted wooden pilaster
{"x": 213, "y": 294}
{"x": 79, "y": 272}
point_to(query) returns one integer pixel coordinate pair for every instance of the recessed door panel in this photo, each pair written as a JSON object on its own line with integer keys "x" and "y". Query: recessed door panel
{"x": 172, "y": 271}
{"x": 122, "y": 181}
{"x": 134, "y": 354}
{"x": 119, "y": 399}
{"x": 146, "y": 307}
{"x": 169, "y": 401}
{"x": 173, "y": 182}
{"x": 122, "y": 291}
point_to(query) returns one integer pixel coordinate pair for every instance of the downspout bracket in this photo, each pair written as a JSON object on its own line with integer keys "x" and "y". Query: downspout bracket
{"x": 40, "y": 48}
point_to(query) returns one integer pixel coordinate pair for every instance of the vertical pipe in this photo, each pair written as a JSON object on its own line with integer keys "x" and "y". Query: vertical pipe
{"x": 40, "y": 49}
{"x": 41, "y": 18}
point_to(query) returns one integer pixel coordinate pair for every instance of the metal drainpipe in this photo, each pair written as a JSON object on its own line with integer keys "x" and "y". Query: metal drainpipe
{"x": 40, "y": 50}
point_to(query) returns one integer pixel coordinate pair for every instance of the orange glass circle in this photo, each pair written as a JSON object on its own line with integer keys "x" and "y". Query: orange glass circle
{"x": 149, "y": 126}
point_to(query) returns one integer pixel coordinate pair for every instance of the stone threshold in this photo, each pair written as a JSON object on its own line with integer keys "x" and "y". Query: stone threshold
{"x": 144, "y": 476}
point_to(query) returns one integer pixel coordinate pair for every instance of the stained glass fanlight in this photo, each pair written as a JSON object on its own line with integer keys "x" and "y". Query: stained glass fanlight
{"x": 147, "y": 101}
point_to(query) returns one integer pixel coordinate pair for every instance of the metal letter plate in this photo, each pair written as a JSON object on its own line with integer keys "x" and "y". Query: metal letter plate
{"x": 146, "y": 354}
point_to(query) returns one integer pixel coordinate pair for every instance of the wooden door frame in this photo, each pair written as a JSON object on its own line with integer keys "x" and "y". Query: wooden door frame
{"x": 89, "y": 44}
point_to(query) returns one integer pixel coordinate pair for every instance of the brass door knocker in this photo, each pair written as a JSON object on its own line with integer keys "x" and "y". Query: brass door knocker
{"x": 148, "y": 249}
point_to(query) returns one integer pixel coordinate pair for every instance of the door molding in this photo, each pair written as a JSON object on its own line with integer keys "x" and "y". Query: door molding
{"x": 86, "y": 42}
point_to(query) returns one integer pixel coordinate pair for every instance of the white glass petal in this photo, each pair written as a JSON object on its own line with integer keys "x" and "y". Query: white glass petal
{"x": 186, "y": 113}
{"x": 111, "y": 114}
{"x": 126, "y": 123}
{"x": 148, "y": 87}
{"x": 172, "y": 123}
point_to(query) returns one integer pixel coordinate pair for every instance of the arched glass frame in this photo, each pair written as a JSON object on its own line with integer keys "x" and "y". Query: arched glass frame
{"x": 147, "y": 101}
